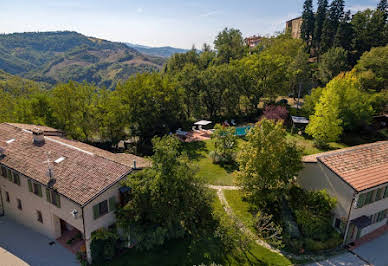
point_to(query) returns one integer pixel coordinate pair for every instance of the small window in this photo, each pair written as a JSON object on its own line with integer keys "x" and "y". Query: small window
{"x": 16, "y": 178}
{"x": 39, "y": 216}
{"x": 386, "y": 192}
{"x": 379, "y": 194}
{"x": 4, "y": 172}
{"x": 7, "y": 197}
{"x": 100, "y": 209}
{"x": 53, "y": 197}
{"x": 19, "y": 204}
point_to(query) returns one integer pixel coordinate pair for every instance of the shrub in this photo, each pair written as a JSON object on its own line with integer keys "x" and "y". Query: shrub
{"x": 276, "y": 112}
{"x": 103, "y": 246}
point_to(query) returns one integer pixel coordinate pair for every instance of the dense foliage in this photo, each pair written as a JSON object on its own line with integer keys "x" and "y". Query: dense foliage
{"x": 268, "y": 162}
{"x": 167, "y": 201}
{"x": 225, "y": 144}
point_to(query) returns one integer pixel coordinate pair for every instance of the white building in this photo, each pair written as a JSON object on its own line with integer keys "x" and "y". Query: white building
{"x": 358, "y": 178}
{"x": 61, "y": 188}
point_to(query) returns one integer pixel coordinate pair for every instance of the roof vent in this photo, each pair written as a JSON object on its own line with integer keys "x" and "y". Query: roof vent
{"x": 59, "y": 160}
{"x": 38, "y": 136}
{"x": 134, "y": 164}
{"x": 10, "y": 141}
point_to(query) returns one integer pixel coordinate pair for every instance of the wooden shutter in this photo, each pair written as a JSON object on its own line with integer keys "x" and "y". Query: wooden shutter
{"x": 58, "y": 197}
{"x": 39, "y": 192}
{"x": 361, "y": 200}
{"x": 48, "y": 195}
{"x": 112, "y": 204}
{"x": 386, "y": 192}
{"x": 29, "y": 185}
{"x": 9, "y": 175}
{"x": 96, "y": 211}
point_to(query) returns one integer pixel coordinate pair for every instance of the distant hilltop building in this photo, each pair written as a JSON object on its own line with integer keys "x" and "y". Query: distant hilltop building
{"x": 294, "y": 26}
{"x": 253, "y": 41}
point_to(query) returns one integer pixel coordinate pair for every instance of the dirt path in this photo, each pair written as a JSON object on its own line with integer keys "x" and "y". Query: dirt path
{"x": 248, "y": 232}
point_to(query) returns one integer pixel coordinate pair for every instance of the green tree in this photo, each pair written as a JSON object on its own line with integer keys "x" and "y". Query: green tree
{"x": 325, "y": 123}
{"x": 383, "y": 7}
{"x": 307, "y": 28}
{"x": 229, "y": 45}
{"x": 225, "y": 144}
{"x": 149, "y": 106}
{"x": 372, "y": 69}
{"x": 319, "y": 20}
{"x": 330, "y": 25}
{"x": 343, "y": 37}
{"x": 333, "y": 62}
{"x": 268, "y": 162}
{"x": 167, "y": 201}
{"x": 310, "y": 101}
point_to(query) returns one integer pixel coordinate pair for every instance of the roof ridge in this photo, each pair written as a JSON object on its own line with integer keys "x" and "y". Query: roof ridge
{"x": 351, "y": 149}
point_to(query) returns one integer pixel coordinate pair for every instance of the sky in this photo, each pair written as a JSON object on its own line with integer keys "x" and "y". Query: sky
{"x": 155, "y": 22}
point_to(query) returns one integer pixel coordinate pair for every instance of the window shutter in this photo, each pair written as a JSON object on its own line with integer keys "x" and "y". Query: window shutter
{"x": 96, "y": 212}
{"x": 112, "y": 204}
{"x": 39, "y": 192}
{"x": 386, "y": 192}
{"x": 361, "y": 200}
{"x": 9, "y": 175}
{"x": 58, "y": 199}
{"x": 48, "y": 195}
{"x": 29, "y": 185}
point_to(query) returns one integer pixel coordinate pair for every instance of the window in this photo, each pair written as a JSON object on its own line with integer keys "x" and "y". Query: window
{"x": 386, "y": 192}
{"x": 361, "y": 200}
{"x": 103, "y": 207}
{"x": 53, "y": 197}
{"x": 4, "y": 172}
{"x": 9, "y": 174}
{"x": 379, "y": 194}
{"x": 39, "y": 216}
{"x": 16, "y": 178}
{"x": 380, "y": 216}
{"x": 19, "y": 204}
{"x": 35, "y": 188}
{"x": 7, "y": 197}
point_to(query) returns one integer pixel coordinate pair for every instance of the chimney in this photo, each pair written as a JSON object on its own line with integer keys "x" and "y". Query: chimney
{"x": 134, "y": 164}
{"x": 38, "y": 136}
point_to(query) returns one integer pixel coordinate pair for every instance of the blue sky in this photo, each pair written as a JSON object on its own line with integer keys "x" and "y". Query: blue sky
{"x": 154, "y": 23}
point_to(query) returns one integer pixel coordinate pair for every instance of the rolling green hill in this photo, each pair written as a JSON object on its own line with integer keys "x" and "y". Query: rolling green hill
{"x": 53, "y": 57}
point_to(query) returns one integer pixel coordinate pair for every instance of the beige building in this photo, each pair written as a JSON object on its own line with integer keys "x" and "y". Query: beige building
{"x": 358, "y": 178}
{"x": 294, "y": 26}
{"x": 61, "y": 188}
{"x": 253, "y": 41}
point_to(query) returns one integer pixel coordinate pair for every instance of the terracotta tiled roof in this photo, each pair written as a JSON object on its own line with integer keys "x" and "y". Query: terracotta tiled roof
{"x": 362, "y": 167}
{"x": 30, "y": 127}
{"x": 84, "y": 173}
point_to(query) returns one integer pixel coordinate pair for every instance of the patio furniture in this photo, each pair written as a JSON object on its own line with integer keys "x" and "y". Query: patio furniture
{"x": 233, "y": 122}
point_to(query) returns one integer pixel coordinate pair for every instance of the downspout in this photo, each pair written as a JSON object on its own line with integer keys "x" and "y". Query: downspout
{"x": 348, "y": 222}
{"x": 2, "y": 204}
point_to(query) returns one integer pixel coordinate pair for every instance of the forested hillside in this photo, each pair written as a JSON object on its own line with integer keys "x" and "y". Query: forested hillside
{"x": 165, "y": 51}
{"x": 61, "y": 56}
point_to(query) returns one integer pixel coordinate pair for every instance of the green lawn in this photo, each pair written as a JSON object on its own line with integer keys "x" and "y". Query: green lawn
{"x": 206, "y": 250}
{"x": 212, "y": 173}
{"x": 308, "y": 144}
{"x": 240, "y": 208}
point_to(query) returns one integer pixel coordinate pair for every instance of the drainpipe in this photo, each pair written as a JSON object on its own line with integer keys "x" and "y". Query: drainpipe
{"x": 348, "y": 222}
{"x": 1, "y": 204}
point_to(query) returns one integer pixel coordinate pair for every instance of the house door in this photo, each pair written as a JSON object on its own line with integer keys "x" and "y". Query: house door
{"x": 1, "y": 204}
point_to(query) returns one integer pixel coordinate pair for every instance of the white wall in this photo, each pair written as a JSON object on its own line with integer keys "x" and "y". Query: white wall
{"x": 31, "y": 203}
{"x": 316, "y": 176}
{"x": 106, "y": 220}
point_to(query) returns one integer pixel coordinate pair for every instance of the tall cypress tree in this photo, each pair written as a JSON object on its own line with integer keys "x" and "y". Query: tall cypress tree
{"x": 344, "y": 35}
{"x": 383, "y": 7}
{"x": 307, "y": 28}
{"x": 330, "y": 26}
{"x": 319, "y": 20}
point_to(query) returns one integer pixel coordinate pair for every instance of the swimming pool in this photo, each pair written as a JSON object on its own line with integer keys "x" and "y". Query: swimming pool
{"x": 242, "y": 131}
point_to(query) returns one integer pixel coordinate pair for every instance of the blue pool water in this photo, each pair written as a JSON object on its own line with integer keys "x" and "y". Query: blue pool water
{"x": 242, "y": 131}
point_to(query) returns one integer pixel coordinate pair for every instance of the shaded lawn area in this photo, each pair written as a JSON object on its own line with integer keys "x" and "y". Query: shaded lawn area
{"x": 213, "y": 174}
{"x": 240, "y": 208}
{"x": 206, "y": 250}
{"x": 309, "y": 147}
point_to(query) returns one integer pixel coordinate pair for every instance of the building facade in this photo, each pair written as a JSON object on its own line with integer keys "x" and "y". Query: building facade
{"x": 294, "y": 26}
{"x": 358, "y": 178}
{"x": 60, "y": 187}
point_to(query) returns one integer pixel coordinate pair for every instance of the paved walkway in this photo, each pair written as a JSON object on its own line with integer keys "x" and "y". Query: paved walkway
{"x": 375, "y": 251}
{"x": 20, "y": 245}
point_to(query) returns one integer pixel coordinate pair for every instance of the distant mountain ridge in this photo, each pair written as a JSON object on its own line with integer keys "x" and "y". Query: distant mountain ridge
{"x": 66, "y": 55}
{"x": 165, "y": 51}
